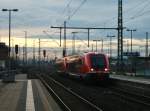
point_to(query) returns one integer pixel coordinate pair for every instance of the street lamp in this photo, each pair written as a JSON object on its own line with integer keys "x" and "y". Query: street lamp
{"x": 110, "y": 45}
{"x": 26, "y": 57}
{"x": 127, "y": 45}
{"x": 131, "y": 30}
{"x": 96, "y": 43}
{"x": 9, "y": 10}
{"x": 102, "y": 44}
{"x": 73, "y": 42}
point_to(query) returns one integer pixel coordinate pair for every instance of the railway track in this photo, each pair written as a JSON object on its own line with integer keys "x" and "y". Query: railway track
{"x": 131, "y": 96}
{"x": 103, "y": 97}
{"x": 67, "y": 99}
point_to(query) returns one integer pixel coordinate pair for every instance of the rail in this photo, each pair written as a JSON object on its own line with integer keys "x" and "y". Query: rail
{"x": 61, "y": 103}
{"x": 72, "y": 93}
{"x": 132, "y": 96}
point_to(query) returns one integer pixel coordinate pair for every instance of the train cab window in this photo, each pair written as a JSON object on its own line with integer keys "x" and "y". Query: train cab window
{"x": 98, "y": 61}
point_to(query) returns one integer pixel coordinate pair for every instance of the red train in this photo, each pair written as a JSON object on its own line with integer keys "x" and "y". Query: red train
{"x": 89, "y": 65}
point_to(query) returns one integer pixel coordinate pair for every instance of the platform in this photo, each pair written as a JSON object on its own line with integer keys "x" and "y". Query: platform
{"x": 26, "y": 95}
{"x": 131, "y": 78}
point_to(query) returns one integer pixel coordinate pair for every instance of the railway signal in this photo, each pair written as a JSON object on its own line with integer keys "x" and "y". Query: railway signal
{"x": 16, "y": 49}
{"x": 44, "y": 53}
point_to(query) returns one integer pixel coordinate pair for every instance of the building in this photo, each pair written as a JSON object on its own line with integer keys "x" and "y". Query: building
{"x": 3, "y": 55}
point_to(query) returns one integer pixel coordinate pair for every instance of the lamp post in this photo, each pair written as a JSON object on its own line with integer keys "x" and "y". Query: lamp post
{"x": 9, "y": 10}
{"x": 64, "y": 47}
{"x": 73, "y": 42}
{"x": 146, "y": 46}
{"x": 131, "y": 30}
{"x": 92, "y": 47}
{"x": 127, "y": 45}
{"x": 102, "y": 45}
{"x": 9, "y": 61}
{"x": 96, "y": 43}
{"x": 110, "y": 45}
{"x": 26, "y": 56}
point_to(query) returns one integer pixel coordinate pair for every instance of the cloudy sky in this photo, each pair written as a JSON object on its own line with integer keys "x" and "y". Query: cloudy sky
{"x": 41, "y": 14}
{"x": 35, "y": 16}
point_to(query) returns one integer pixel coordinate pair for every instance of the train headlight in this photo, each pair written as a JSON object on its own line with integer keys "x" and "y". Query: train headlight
{"x": 105, "y": 69}
{"x": 92, "y": 69}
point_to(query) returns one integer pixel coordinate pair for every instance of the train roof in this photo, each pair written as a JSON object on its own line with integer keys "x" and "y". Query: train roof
{"x": 83, "y": 54}
{"x": 89, "y": 53}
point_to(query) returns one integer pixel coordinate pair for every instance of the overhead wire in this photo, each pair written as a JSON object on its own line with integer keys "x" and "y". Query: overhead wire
{"x": 137, "y": 16}
{"x": 127, "y": 11}
{"x": 63, "y": 12}
{"x": 132, "y": 10}
{"x": 82, "y": 41}
{"x": 51, "y": 36}
{"x": 139, "y": 13}
{"x": 77, "y": 9}
{"x": 68, "y": 4}
{"x": 136, "y": 7}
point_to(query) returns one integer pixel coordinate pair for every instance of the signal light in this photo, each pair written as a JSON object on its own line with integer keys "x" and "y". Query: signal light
{"x": 16, "y": 49}
{"x": 44, "y": 53}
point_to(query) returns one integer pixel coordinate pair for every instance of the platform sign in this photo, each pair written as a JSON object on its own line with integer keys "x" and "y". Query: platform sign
{"x": 134, "y": 54}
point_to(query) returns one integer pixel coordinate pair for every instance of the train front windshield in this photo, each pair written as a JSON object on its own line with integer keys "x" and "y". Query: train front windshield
{"x": 98, "y": 61}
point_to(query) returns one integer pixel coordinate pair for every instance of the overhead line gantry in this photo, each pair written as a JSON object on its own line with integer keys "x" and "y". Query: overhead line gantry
{"x": 119, "y": 29}
{"x": 80, "y": 28}
{"x": 85, "y": 28}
